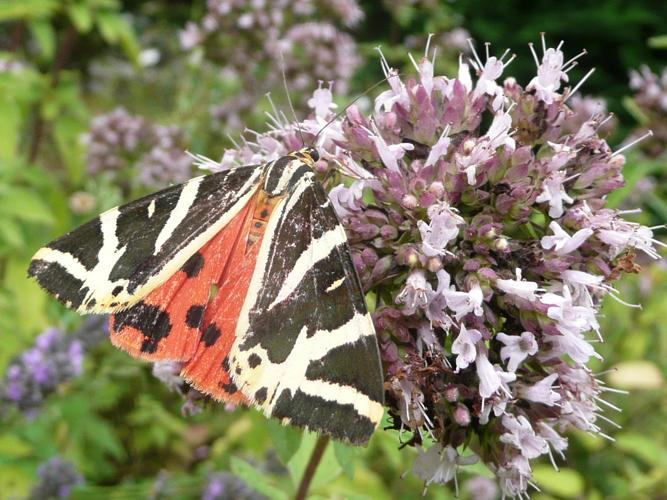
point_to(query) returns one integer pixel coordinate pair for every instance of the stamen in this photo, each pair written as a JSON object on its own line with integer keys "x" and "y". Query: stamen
{"x": 428, "y": 43}
{"x": 607, "y": 403}
{"x": 486, "y": 49}
{"x": 560, "y": 44}
{"x": 617, "y": 391}
{"x": 532, "y": 49}
{"x": 621, "y": 301}
{"x": 569, "y": 68}
{"x": 233, "y": 141}
{"x": 505, "y": 64}
{"x": 273, "y": 106}
{"x": 414, "y": 63}
{"x": 608, "y": 420}
{"x": 580, "y": 54}
{"x": 639, "y": 139}
{"x": 474, "y": 53}
{"x": 609, "y": 438}
{"x": 611, "y": 115}
{"x": 605, "y": 372}
{"x": 383, "y": 62}
{"x": 201, "y": 161}
{"x": 544, "y": 43}
{"x": 581, "y": 82}
{"x": 551, "y": 457}
{"x": 456, "y": 482}
{"x": 274, "y": 120}
{"x": 435, "y": 51}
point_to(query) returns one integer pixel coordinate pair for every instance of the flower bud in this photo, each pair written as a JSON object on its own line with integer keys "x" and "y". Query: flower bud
{"x": 409, "y": 201}
{"x": 501, "y": 244}
{"x": 434, "y": 264}
{"x": 461, "y": 415}
{"x": 437, "y": 189}
{"x": 452, "y": 394}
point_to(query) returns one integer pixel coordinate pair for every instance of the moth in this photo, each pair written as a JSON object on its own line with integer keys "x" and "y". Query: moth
{"x": 245, "y": 276}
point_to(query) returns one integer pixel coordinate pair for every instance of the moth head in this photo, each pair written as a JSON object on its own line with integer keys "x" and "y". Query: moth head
{"x": 308, "y": 155}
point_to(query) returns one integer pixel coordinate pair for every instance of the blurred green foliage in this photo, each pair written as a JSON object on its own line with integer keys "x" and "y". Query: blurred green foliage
{"x": 120, "y": 426}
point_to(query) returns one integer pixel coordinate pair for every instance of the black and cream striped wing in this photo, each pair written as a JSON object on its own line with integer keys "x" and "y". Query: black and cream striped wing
{"x": 111, "y": 262}
{"x": 305, "y": 348}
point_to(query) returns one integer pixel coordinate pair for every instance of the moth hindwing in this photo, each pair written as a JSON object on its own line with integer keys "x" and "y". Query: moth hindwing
{"x": 244, "y": 276}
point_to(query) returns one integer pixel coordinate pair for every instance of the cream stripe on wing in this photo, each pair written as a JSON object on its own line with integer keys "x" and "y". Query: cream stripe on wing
{"x": 185, "y": 200}
{"x": 343, "y": 394}
{"x": 71, "y": 264}
{"x": 291, "y": 373}
{"x": 318, "y": 249}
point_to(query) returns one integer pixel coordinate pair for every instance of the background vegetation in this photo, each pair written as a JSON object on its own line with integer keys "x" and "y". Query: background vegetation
{"x": 113, "y": 427}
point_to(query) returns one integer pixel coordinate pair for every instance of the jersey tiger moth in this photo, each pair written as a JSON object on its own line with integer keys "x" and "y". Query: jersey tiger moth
{"x": 245, "y": 276}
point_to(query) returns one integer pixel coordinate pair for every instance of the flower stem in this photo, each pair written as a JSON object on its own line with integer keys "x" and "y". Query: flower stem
{"x": 311, "y": 468}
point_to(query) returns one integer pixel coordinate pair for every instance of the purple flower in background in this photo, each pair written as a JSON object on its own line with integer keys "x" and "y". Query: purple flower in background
{"x": 481, "y": 488}
{"x": 256, "y": 41}
{"x": 57, "y": 477}
{"x": 225, "y": 486}
{"x": 488, "y": 249}
{"x": 119, "y": 140}
{"x": 55, "y": 359}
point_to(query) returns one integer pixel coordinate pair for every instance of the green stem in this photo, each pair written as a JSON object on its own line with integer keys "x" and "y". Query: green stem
{"x": 311, "y": 468}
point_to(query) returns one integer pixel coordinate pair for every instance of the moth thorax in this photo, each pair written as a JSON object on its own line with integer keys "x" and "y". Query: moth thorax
{"x": 285, "y": 172}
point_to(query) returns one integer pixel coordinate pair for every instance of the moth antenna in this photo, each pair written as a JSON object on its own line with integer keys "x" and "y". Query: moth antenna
{"x": 289, "y": 99}
{"x": 344, "y": 110}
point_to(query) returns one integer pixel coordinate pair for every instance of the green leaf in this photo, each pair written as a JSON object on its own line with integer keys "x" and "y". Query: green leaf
{"x": 658, "y": 42}
{"x": 286, "y": 439}
{"x": 15, "y": 481}
{"x": 13, "y": 446}
{"x": 631, "y": 107}
{"x": 346, "y": 456}
{"x": 25, "y": 205}
{"x": 566, "y": 483}
{"x": 81, "y": 16}
{"x": 11, "y": 234}
{"x": 117, "y": 31}
{"x": 67, "y": 131}
{"x": 25, "y": 9}
{"x": 45, "y": 36}
{"x": 256, "y": 479}
{"x": 10, "y": 127}
{"x": 657, "y": 204}
{"x": 642, "y": 447}
{"x": 633, "y": 172}
{"x": 327, "y": 470}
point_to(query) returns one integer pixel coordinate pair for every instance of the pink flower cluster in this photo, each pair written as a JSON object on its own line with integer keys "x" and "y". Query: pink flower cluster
{"x": 254, "y": 41}
{"x": 651, "y": 99}
{"x": 119, "y": 140}
{"x": 479, "y": 228}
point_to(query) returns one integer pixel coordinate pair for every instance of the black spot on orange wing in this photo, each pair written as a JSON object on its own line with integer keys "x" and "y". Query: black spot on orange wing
{"x": 211, "y": 335}
{"x": 150, "y": 321}
{"x": 193, "y": 265}
{"x": 229, "y": 387}
{"x": 195, "y": 315}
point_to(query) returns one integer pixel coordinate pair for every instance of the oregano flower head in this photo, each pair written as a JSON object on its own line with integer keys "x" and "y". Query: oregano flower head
{"x": 478, "y": 224}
